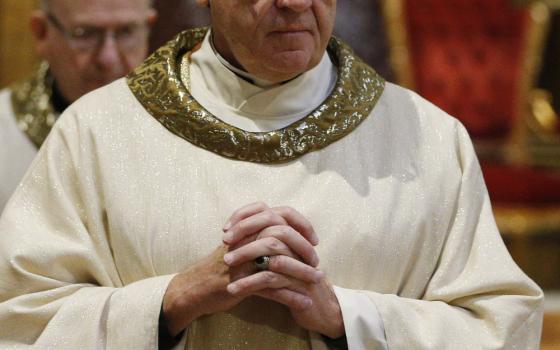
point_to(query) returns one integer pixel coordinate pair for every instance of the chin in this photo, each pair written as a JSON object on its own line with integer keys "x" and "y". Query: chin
{"x": 292, "y": 62}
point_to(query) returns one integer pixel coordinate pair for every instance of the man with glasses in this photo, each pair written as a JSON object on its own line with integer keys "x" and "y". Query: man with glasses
{"x": 84, "y": 44}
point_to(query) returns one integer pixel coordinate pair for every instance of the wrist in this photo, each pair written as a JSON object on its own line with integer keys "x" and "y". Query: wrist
{"x": 335, "y": 331}
{"x": 179, "y": 310}
{"x": 165, "y": 339}
{"x": 335, "y": 327}
{"x": 336, "y": 344}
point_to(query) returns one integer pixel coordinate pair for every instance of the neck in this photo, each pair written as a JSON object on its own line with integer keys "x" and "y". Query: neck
{"x": 226, "y": 56}
{"x": 242, "y": 73}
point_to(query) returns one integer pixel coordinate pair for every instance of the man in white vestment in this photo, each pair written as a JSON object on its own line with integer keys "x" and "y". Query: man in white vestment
{"x": 255, "y": 185}
{"x": 84, "y": 45}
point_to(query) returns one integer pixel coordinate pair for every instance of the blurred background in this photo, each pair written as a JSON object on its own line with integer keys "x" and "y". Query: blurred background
{"x": 493, "y": 64}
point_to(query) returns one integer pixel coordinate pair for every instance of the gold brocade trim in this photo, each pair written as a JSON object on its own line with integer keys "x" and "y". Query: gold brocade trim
{"x": 31, "y": 101}
{"x": 158, "y": 87}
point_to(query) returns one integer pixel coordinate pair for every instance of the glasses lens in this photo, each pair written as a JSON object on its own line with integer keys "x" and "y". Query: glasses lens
{"x": 88, "y": 39}
{"x": 85, "y": 38}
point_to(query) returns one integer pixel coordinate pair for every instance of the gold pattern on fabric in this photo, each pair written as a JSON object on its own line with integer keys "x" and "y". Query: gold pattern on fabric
{"x": 253, "y": 324}
{"x": 158, "y": 87}
{"x": 31, "y": 100}
{"x": 186, "y": 71}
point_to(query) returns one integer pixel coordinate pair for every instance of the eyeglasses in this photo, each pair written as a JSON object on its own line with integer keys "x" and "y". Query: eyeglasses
{"x": 90, "y": 38}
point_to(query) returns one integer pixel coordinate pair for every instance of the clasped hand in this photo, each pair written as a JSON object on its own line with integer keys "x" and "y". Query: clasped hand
{"x": 228, "y": 275}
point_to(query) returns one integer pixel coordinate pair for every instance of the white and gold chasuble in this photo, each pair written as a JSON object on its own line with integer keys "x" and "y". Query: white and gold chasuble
{"x": 136, "y": 180}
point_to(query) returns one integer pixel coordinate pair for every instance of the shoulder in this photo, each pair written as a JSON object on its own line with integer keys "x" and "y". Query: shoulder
{"x": 110, "y": 98}
{"x": 7, "y": 118}
{"x": 5, "y": 93}
{"x": 414, "y": 126}
{"x": 5, "y": 102}
{"x": 408, "y": 104}
{"x": 406, "y": 110}
{"x": 104, "y": 106}
{"x": 106, "y": 116}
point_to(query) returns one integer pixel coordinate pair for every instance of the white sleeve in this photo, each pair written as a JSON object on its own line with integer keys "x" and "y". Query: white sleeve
{"x": 477, "y": 297}
{"x": 59, "y": 286}
{"x": 362, "y": 321}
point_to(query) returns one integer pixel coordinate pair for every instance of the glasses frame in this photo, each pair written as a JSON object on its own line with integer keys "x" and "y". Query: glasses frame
{"x": 76, "y": 36}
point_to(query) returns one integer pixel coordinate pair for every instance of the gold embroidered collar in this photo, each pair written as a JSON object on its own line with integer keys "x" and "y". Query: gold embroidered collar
{"x": 32, "y": 104}
{"x": 158, "y": 87}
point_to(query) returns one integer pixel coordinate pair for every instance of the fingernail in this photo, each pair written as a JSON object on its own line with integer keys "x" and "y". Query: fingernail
{"x": 315, "y": 239}
{"x": 315, "y": 261}
{"x": 307, "y": 303}
{"x": 228, "y": 258}
{"x": 228, "y": 236}
{"x": 319, "y": 275}
{"x": 227, "y": 226}
{"x": 232, "y": 288}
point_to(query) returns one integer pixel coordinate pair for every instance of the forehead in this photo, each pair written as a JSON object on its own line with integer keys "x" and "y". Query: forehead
{"x": 99, "y": 11}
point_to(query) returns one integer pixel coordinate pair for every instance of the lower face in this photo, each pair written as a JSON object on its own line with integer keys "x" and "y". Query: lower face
{"x": 272, "y": 41}
{"x": 290, "y": 50}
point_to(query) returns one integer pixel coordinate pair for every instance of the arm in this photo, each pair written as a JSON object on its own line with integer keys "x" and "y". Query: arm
{"x": 58, "y": 281}
{"x": 477, "y": 296}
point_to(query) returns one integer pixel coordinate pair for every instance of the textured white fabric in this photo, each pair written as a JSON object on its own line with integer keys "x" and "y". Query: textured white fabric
{"x": 362, "y": 322}
{"x": 115, "y": 204}
{"x": 16, "y": 150}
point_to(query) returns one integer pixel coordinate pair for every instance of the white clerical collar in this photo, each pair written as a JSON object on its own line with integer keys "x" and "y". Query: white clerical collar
{"x": 248, "y": 106}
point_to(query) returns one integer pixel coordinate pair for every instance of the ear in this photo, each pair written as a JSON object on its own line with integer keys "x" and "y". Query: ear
{"x": 152, "y": 17}
{"x": 203, "y": 3}
{"x": 40, "y": 30}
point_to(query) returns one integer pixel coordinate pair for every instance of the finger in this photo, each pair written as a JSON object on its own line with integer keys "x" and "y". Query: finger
{"x": 298, "y": 222}
{"x": 285, "y": 265}
{"x": 265, "y": 280}
{"x": 258, "y": 281}
{"x": 244, "y": 212}
{"x": 295, "y": 269}
{"x": 252, "y": 225}
{"x": 294, "y": 241}
{"x": 293, "y": 300}
{"x": 243, "y": 242}
{"x": 266, "y": 246}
